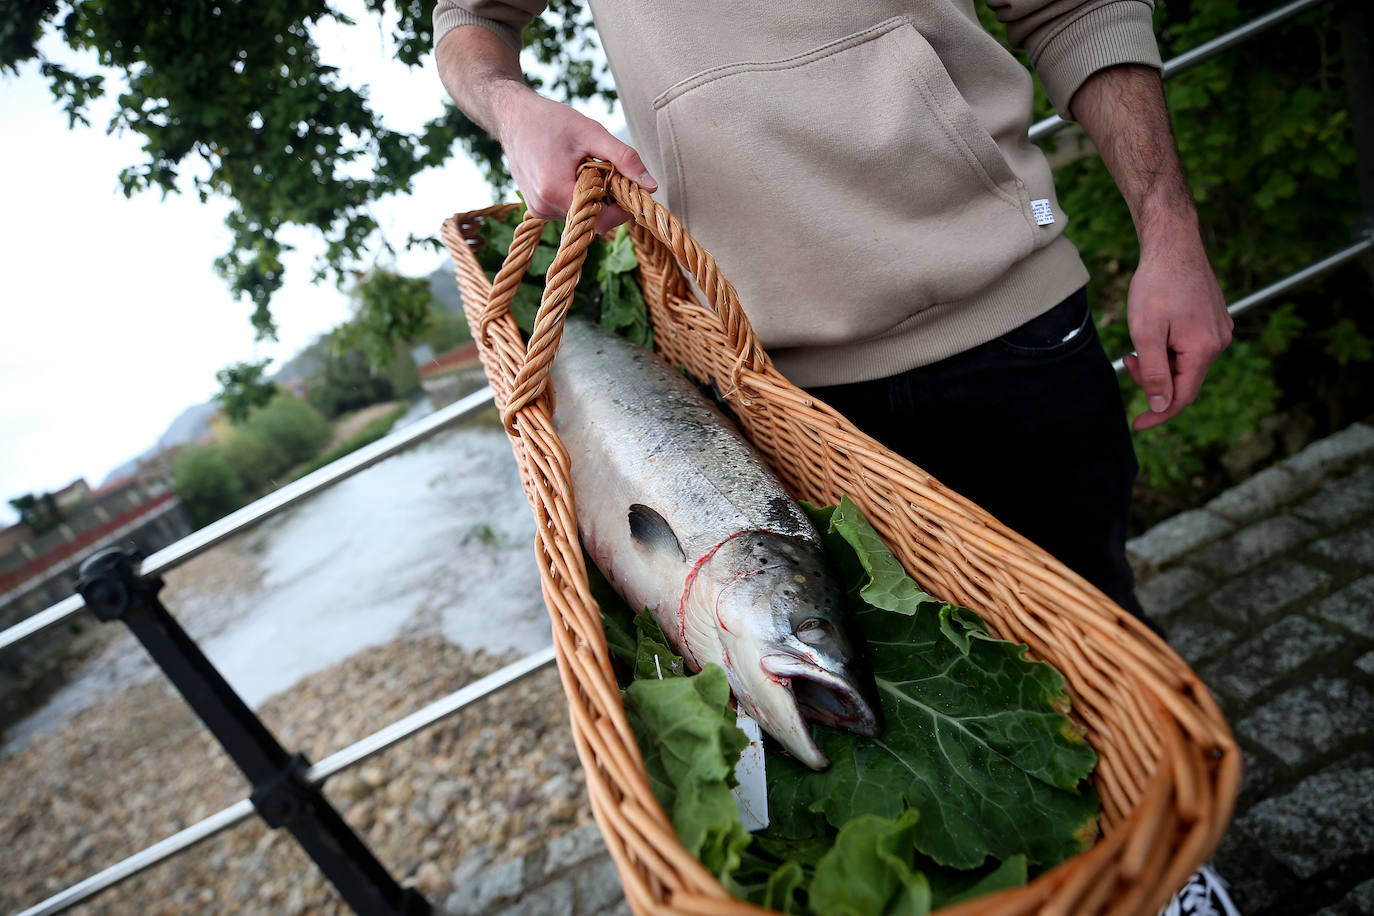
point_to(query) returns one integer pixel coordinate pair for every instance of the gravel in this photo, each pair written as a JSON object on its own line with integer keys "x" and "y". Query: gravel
{"x": 134, "y": 765}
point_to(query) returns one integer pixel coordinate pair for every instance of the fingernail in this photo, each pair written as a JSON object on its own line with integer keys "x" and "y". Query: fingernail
{"x": 1159, "y": 403}
{"x": 647, "y": 180}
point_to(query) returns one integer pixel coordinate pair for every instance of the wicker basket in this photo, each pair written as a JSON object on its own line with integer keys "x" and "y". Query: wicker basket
{"x": 1168, "y": 766}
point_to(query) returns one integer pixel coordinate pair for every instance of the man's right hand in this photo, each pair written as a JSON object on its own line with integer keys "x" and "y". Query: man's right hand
{"x": 544, "y": 141}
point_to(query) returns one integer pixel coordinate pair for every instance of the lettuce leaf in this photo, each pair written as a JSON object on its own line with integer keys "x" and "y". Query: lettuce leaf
{"x": 686, "y": 730}
{"x": 977, "y": 778}
{"x": 869, "y": 871}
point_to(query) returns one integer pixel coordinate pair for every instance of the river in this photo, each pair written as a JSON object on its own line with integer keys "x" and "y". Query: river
{"x": 438, "y": 539}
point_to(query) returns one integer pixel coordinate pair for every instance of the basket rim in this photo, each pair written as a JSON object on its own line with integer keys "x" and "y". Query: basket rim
{"x": 1199, "y": 778}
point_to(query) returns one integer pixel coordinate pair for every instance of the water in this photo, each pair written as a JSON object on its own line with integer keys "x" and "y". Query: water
{"x": 437, "y": 539}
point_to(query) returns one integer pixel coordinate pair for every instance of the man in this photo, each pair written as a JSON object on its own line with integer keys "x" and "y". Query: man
{"x": 862, "y": 175}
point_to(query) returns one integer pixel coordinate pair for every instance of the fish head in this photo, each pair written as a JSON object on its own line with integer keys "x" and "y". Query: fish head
{"x": 781, "y": 616}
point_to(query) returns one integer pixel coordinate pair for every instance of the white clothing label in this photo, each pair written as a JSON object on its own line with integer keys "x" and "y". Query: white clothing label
{"x": 751, "y": 795}
{"x": 1040, "y": 209}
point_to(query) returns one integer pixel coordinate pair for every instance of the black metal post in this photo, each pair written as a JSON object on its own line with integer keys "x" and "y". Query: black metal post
{"x": 1357, "y": 40}
{"x": 281, "y": 794}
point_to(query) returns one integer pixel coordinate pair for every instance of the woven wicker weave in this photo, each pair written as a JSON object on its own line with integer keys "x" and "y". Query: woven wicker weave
{"x": 1168, "y": 767}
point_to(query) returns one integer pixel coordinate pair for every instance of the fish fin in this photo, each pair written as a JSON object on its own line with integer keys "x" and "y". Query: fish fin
{"x": 650, "y": 530}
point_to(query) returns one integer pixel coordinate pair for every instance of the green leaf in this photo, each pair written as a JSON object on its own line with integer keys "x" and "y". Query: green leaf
{"x": 623, "y": 309}
{"x": 654, "y": 658}
{"x": 780, "y": 892}
{"x": 948, "y": 887}
{"x": 620, "y": 256}
{"x": 869, "y": 871}
{"x": 686, "y": 730}
{"x": 974, "y": 737}
{"x": 524, "y": 306}
{"x": 885, "y": 583}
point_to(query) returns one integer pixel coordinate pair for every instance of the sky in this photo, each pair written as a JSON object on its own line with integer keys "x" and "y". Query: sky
{"x": 112, "y": 319}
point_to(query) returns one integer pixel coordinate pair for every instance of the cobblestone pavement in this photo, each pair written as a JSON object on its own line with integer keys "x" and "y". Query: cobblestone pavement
{"x": 1268, "y": 592}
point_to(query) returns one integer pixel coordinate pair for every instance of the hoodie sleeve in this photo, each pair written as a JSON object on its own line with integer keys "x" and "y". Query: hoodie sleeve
{"x": 506, "y": 19}
{"x": 1070, "y": 40}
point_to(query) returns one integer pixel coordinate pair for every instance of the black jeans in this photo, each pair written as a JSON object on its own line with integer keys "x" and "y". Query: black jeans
{"x": 1030, "y": 426}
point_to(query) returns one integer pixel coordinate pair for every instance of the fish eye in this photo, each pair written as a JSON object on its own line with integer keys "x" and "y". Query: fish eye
{"x": 813, "y": 630}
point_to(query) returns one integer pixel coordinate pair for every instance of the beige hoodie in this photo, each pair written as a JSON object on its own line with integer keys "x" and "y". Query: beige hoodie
{"x": 859, "y": 170}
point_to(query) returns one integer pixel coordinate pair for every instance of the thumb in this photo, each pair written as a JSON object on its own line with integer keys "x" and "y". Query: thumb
{"x": 628, "y": 163}
{"x": 1153, "y": 372}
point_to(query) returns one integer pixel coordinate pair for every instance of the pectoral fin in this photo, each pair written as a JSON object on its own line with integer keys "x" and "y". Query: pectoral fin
{"x": 651, "y": 531}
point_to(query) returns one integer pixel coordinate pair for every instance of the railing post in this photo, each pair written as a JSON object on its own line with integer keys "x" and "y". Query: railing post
{"x": 1357, "y": 43}
{"x": 281, "y": 794}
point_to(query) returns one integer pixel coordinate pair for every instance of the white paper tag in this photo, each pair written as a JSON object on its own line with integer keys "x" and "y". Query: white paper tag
{"x": 751, "y": 795}
{"x": 1041, "y": 210}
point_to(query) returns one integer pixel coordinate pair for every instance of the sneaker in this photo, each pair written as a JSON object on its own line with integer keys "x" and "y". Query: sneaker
{"x": 1203, "y": 895}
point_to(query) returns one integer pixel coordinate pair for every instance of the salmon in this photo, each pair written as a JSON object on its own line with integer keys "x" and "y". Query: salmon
{"x": 684, "y": 518}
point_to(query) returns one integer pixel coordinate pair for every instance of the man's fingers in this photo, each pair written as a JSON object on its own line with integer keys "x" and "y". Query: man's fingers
{"x": 1153, "y": 373}
{"x": 632, "y": 167}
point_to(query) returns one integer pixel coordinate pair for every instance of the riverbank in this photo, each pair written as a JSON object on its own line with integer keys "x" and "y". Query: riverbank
{"x": 500, "y": 778}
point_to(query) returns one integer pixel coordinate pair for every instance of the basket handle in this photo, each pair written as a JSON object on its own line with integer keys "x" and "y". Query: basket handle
{"x": 597, "y": 181}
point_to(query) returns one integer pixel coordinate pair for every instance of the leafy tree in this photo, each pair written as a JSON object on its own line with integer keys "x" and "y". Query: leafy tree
{"x": 290, "y": 426}
{"x": 389, "y": 309}
{"x": 206, "y": 484}
{"x": 253, "y": 458}
{"x": 39, "y": 512}
{"x": 345, "y": 380}
{"x": 1265, "y": 139}
{"x": 232, "y": 94}
{"x": 447, "y": 331}
{"x": 243, "y": 389}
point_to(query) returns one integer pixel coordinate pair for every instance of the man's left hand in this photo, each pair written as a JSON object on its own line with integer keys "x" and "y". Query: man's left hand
{"x": 1179, "y": 324}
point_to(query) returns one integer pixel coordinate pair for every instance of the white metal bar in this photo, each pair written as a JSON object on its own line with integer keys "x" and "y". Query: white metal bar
{"x": 1275, "y": 290}
{"x": 140, "y": 861}
{"x": 262, "y": 509}
{"x": 1194, "y": 56}
{"x": 423, "y": 718}
{"x": 333, "y": 764}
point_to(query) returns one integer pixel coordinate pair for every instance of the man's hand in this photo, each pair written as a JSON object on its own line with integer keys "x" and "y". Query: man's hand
{"x": 1178, "y": 323}
{"x": 544, "y": 141}
{"x": 1175, "y": 310}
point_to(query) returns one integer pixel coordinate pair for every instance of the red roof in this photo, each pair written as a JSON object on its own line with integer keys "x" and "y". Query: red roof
{"x": 464, "y": 357}
{"x": 84, "y": 541}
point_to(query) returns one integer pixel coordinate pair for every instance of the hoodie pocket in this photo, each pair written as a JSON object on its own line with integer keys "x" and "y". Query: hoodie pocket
{"x": 843, "y": 190}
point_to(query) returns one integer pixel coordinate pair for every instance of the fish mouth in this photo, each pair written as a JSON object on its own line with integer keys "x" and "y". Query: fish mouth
{"x": 824, "y": 696}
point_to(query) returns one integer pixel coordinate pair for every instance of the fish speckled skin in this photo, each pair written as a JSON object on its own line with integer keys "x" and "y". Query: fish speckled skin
{"x": 683, "y": 518}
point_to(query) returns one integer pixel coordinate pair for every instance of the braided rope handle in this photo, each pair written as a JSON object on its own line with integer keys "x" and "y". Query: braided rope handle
{"x": 596, "y": 182}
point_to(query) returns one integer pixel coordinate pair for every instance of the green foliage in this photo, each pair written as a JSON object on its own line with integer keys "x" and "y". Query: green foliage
{"x": 606, "y": 291}
{"x": 690, "y": 760}
{"x": 39, "y": 512}
{"x": 345, "y": 379}
{"x": 1264, "y": 136}
{"x": 291, "y": 427}
{"x": 389, "y": 309}
{"x": 367, "y": 435}
{"x": 233, "y": 97}
{"x": 448, "y": 331}
{"x": 243, "y": 389}
{"x": 206, "y": 484}
{"x": 254, "y": 459}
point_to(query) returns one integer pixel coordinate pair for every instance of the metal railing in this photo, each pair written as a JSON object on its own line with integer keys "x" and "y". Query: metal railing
{"x": 313, "y": 776}
{"x": 345, "y": 467}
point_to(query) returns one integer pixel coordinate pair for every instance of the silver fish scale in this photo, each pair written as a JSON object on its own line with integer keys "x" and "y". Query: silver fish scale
{"x": 619, "y": 405}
